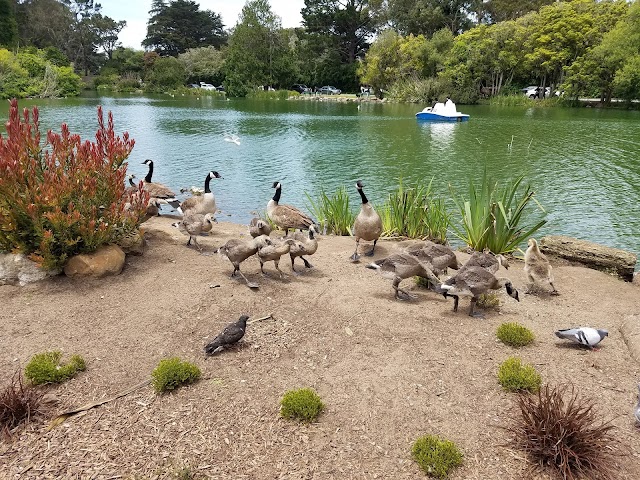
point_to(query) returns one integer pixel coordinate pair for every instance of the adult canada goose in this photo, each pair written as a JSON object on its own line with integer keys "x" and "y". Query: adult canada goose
{"x": 274, "y": 252}
{"x": 368, "y": 224}
{"x": 473, "y": 282}
{"x": 310, "y": 244}
{"x": 194, "y": 224}
{"x": 399, "y": 266}
{"x": 258, "y": 227}
{"x": 237, "y": 251}
{"x": 537, "y": 267}
{"x": 205, "y": 203}
{"x": 488, "y": 261}
{"x": 286, "y": 216}
{"x": 157, "y": 190}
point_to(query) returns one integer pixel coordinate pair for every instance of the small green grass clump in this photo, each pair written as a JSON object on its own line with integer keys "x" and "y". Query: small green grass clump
{"x": 435, "y": 456}
{"x": 489, "y": 301}
{"x": 516, "y": 377}
{"x": 46, "y": 368}
{"x": 303, "y": 404}
{"x": 514, "y": 334}
{"x": 172, "y": 373}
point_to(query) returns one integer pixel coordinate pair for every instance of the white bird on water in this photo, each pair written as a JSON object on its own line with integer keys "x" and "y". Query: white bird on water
{"x": 228, "y": 137}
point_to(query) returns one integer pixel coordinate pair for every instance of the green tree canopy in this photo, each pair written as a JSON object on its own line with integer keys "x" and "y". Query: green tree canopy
{"x": 8, "y": 24}
{"x": 203, "y": 64}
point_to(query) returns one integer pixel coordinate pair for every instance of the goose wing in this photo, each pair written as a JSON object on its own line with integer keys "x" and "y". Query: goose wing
{"x": 158, "y": 190}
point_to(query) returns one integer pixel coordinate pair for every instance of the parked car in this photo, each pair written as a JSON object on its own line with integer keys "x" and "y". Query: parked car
{"x": 534, "y": 92}
{"x": 300, "y": 88}
{"x": 220, "y": 88}
{"x": 207, "y": 86}
{"x": 329, "y": 90}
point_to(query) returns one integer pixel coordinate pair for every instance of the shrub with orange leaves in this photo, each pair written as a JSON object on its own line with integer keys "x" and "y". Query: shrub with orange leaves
{"x": 66, "y": 196}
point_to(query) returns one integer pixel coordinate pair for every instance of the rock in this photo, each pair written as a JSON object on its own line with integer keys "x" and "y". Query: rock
{"x": 16, "y": 269}
{"x": 107, "y": 260}
{"x": 630, "y": 330}
{"x": 590, "y": 254}
{"x": 133, "y": 243}
{"x": 636, "y": 278}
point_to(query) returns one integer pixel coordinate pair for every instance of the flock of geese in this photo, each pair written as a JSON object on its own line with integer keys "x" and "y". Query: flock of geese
{"x": 414, "y": 258}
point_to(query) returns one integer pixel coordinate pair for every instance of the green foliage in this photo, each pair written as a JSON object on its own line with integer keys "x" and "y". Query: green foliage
{"x": 203, "y": 64}
{"x": 416, "y": 90}
{"x": 488, "y": 301}
{"x": 171, "y": 373}
{"x": 333, "y": 214}
{"x": 494, "y": 217}
{"x": 46, "y": 368}
{"x": 166, "y": 73}
{"x": 415, "y": 212}
{"x": 514, "y": 334}
{"x": 303, "y": 404}
{"x": 437, "y": 457}
{"x": 8, "y": 24}
{"x": 516, "y": 377}
{"x": 67, "y": 196}
{"x": 263, "y": 94}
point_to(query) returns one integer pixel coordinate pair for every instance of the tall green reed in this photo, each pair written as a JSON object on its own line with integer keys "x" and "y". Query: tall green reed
{"x": 333, "y": 213}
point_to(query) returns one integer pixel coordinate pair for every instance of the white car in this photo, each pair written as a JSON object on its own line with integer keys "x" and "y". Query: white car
{"x": 533, "y": 91}
{"x": 206, "y": 86}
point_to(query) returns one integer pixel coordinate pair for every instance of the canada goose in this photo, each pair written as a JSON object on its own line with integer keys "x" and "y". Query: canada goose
{"x": 488, "y": 261}
{"x": 193, "y": 224}
{"x": 275, "y": 251}
{"x": 205, "y": 203}
{"x": 286, "y": 216}
{"x": 258, "y": 227}
{"x": 310, "y": 243}
{"x": 157, "y": 190}
{"x": 440, "y": 257}
{"x": 368, "y": 224}
{"x": 231, "y": 334}
{"x": 537, "y": 267}
{"x": 399, "y": 266}
{"x": 473, "y": 282}
{"x": 237, "y": 251}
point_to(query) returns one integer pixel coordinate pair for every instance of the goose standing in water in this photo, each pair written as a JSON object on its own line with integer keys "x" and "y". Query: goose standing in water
{"x": 160, "y": 192}
{"x": 203, "y": 204}
{"x": 368, "y": 224}
{"x": 537, "y": 267}
{"x": 286, "y": 216}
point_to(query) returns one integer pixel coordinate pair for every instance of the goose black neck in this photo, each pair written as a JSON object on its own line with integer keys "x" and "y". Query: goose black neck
{"x": 131, "y": 182}
{"x": 276, "y": 196}
{"x": 363, "y": 196}
{"x": 206, "y": 184}
{"x": 149, "y": 173}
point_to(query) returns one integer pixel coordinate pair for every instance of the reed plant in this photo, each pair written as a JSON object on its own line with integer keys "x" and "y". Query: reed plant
{"x": 496, "y": 217}
{"x": 333, "y": 213}
{"x": 414, "y": 212}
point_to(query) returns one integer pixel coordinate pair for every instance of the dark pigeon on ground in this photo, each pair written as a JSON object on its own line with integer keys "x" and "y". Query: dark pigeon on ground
{"x": 231, "y": 334}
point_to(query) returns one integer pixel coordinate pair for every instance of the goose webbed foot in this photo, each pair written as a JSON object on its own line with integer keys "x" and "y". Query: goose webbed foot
{"x": 369, "y": 253}
{"x": 354, "y": 258}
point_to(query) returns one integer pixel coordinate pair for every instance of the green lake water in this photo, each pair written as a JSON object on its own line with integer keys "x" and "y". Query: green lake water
{"x": 584, "y": 164}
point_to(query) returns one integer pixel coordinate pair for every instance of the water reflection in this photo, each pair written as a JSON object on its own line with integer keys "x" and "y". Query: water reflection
{"x": 442, "y": 133}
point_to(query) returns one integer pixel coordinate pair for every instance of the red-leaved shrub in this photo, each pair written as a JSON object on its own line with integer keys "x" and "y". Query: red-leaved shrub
{"x": 67, "y": 196}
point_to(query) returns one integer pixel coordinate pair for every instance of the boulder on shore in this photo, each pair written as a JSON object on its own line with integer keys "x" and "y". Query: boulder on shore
{"x": 17, "y": 269}
{"x": 107, "y": 260}
{"x": 592, "y": 255}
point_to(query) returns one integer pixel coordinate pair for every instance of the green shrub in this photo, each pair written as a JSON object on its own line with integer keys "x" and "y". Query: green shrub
{"x": 333, "y": 214}
{"x": 494, "y": 218}
{"x": 261, "y": 94}
{"x": 489, "y": 300}
{"x": 516, "y": 377}
{"x": 67, "y": 196}
{"x": 435, "y": 456}
{"x": 414, "y": 212}
{"x": 46, "y": 368}
{"x": 514, "y": 334}
{"x": 303, "y": 404}
{"x": 172, "y": 373}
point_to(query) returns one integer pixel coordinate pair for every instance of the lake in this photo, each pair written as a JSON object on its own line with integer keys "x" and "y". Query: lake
{"x": 583, "y": 164}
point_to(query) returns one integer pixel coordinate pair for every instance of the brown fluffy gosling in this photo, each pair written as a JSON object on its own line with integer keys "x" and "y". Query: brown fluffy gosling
{"x": 537, "y": 267}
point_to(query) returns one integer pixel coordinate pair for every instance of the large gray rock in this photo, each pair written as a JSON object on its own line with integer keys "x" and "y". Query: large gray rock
{"x": 107, "y": 260}
{"x": 630, "y": 330}
{"x": 590, "y": 254}
{"x": 16, "y": 269}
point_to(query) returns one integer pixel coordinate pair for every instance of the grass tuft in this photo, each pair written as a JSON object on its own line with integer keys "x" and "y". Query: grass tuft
{"x": 489, "y": 301}
{"x": 435, "y": 456}
{"x": 516, "y": 377}
{"x": 514, "y": 334}
{"x": 171, "y": 373}
{"x": 561, "y": 431}
{"x": 18, "y": 403}
{"x": 46, "y": 368}
{"x": 303, "y": 404}
{"x": 333, "y": 213}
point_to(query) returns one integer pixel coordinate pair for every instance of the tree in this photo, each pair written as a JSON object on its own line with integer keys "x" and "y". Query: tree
{"x": 44, "y": 23}
{"x": 500, "y": 10}
{"x": 8, "y": 24}
{"x": 82, "y": 45}
{"x": 165, "y": 74}
{"x": 425, "y": 17}
{"x": 203, "y": 64}
{"x": 179, "y": 25}
{"x": 107, "y": 31}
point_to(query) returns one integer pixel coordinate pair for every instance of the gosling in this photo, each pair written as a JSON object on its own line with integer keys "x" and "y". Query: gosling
{"x": 258, "y": 227}
{"x": 194, "y": 224}
{"x": 237, "y": 251}
{"x": 310, "y": 244}
{"x": 274, "y": 252}
{"x": 399, "y": 266}
{"x": 537, "y": 267}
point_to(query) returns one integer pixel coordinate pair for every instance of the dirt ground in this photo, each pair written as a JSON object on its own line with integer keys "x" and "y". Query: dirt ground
{"x": 388, "y": 371}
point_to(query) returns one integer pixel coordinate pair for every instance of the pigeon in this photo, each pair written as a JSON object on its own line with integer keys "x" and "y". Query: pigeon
{"x": 636, "y": 412}
{"x": 586, "y": 336}
{"x": 231, "y": 334}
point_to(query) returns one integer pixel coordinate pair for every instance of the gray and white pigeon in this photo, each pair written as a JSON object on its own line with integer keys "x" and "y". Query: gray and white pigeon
{"x": 231, "y": 334}
{"x": 636, "y": 412}
{"x": 586, "y": 336}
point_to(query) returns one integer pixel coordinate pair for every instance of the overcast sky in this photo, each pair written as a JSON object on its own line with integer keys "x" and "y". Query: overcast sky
{"x": 136, "y": 13}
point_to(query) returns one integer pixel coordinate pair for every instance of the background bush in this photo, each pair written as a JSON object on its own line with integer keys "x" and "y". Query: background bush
{"x": 64, "y": 197}
{"x": 46, "y": 368}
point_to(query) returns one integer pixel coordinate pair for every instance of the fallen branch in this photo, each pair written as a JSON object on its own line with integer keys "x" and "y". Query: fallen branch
{"x": 59, "y": 420}
{"x": 260, "y": 319}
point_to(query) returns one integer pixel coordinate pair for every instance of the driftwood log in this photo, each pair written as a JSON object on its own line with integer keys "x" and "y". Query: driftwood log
{"x": 590, "y": 254}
